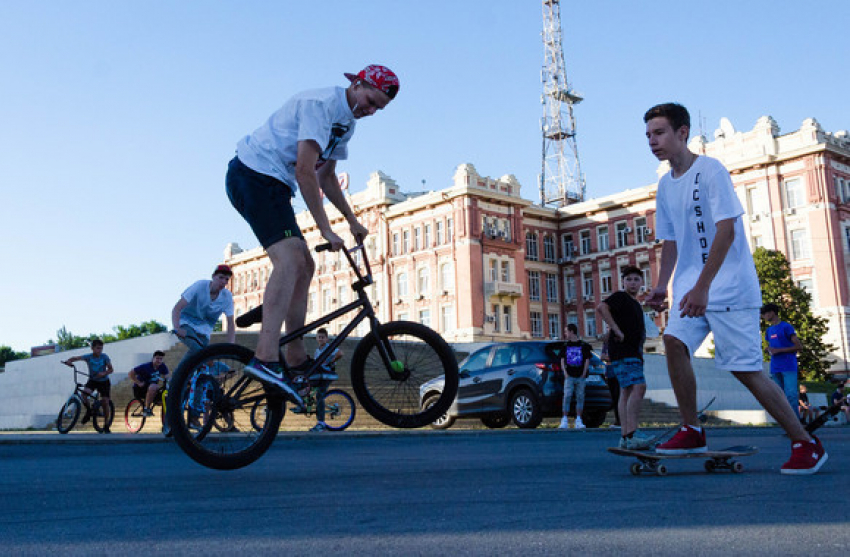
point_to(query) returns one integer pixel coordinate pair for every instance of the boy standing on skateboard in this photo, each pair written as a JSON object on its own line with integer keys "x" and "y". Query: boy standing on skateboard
{"x": 715, "y": 288}
{"x": 624, "y": 316}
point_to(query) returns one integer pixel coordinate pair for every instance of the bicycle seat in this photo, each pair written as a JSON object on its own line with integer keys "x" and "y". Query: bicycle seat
{"x": 249, "y": 318}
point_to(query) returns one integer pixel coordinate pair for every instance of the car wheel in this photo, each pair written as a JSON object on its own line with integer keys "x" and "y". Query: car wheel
{"x": 443, "y": 422}
{"x": 496, "y": 421}
{"x": 593, "y": 418}
{"x": 525, "y": 410}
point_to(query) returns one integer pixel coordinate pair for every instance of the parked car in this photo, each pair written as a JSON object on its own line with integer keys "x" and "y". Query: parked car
{"x": 520, "y": 382}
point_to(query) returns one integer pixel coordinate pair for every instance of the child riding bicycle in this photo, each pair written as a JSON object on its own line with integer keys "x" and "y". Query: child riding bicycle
{"x": 100, "y": 366}
{"x": 323, "y": 380}
{"x": 146, "y": 379}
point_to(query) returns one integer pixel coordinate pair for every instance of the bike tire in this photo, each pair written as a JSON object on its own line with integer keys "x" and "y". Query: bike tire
{"x": 391, "y": 394}
{"x": 236, "y": 393}
{"x": 68, "y": 415}
{"x": 259, "y": 415}
{"x": 339, "y": 410}
{"x": 97, "y": 417}
{"x": 134, "y": 417}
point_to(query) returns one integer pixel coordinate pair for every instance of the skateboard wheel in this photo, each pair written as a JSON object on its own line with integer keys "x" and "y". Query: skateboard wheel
{"x": 635, "y": 469}
{"x": 737, "y": 467}
{"x": 661, "y": 470}
{"x": 709, "y": 466}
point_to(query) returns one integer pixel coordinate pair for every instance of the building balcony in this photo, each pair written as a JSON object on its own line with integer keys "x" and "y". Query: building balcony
{"x": 499, "y": 288}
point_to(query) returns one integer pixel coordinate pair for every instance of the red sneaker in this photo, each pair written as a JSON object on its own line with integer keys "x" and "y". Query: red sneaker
{"x": 686, "y": 441}
{"x": 806, "y": 458}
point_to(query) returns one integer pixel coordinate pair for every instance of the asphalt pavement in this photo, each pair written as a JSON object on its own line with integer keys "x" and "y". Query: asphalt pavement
{"x": 424, "y": 492}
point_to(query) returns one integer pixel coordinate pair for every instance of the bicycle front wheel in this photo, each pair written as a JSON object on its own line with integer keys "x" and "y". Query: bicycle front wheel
{"x": 390, "y": 366}
{"x": 98, "y": 419}
{"x": 68, "y": 415}
{"x": 211, "y": 387}
{"x": 339, "y": 410}
{"x": 134, "y": 416}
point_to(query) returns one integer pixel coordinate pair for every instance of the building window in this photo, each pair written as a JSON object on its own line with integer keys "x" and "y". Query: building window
{"x": 427, "y": 236}
{"x": 401, "y": 285}
{"x": 311, "y": 302}
{"x": 549, "y": 248}
{"x": 425, "y": 317}
{"x": 569, "y": 288}
{"x": 554, "y": 326}
{"x": 584, "y": 238}
{"x": 405, "y": 243}
{"x": 439, "y": 226}
{"x": 758, "y": 242}
{"x": 808, "y": 285}
{"x": 795, "y": 196}
{"x": 647, "y": 277}
{"x": 622, "y": 234}
{"x": 590, "y": 323}
{"x": 847, "y": 239}
{"x": 506, "y": 319}
{"x": 494, "y": 316}
{"x": 551, "y": 287}
{"x": 450, "y": 230}
{"x": 534, "y": 286}
{"x": 572, "y": 319}
{"x": 447, "y": 277}
{"x": 605, "y": 282}
{"x": 422, "y": 276}
{"x": 602, "y": 238}
{"x": 326, "y": 300}
{"x": 800, "y": 244}
{"x": 567, "y": 246}
{"x": 531, "y": 246}
{"x": 641, "y": 231}
{"x": 587, "y": 280}
{"x": 506, "y": 271}
{"x": 417, "y": 239}
{"x": 395, "y": 243}
{"x": 494, "y": 270}
{"x": 447, "y": 318}
{"x": 341, "y": 295}
{"x": 536, "y": 324}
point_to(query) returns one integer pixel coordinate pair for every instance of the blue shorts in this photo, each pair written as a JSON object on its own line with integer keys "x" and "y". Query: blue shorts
{"x": 628, "y": 371}
{"x": 264, "y": 202}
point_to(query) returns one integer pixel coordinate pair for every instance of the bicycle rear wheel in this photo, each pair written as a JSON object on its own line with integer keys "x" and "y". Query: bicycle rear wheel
{"x": 339, "y": 410}
{"x": 98, "y": 420}
{"x": 390, "y": 389}
{"x": 134, "y": 416}
{"x": 210, "y": 386}
{"x": 68, "y": 415}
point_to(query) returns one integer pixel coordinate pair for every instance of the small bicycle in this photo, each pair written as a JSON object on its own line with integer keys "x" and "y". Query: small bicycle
{"x": 339, "y": 409}
{"x": 134, "y": 414}
{"x": 388, "y": 368}
{"x": 70, "y": 412}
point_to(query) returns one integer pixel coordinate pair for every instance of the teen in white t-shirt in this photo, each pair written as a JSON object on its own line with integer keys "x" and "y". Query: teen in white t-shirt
{"x": 715, "y": 289}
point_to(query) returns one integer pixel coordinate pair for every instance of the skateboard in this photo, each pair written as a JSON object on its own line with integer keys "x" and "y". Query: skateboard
{"x": 650, "y": 461}
{"x": 824, "y": 417}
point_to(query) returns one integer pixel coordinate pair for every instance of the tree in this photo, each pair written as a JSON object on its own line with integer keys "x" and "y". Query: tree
{"x": 67, "y": 340}
{"x": 8, "y": 355}
{"x": 778, "y": 287}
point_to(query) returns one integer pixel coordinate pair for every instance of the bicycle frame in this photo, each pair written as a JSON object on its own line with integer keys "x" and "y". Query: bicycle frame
{"x": 366, "y": 312}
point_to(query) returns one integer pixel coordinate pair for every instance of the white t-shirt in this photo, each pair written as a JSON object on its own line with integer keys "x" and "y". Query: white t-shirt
{"x": 202, "y": 313}
{"x": 688, "y": 210}
{"x": 321, "y": 115}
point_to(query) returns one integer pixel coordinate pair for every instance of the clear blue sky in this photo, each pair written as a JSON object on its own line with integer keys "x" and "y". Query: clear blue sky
{"x": 117, "y": 118}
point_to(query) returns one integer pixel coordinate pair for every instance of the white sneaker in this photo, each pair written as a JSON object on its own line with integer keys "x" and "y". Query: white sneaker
{"x": 565, "y": 423}
{"x": 579, "y": 423}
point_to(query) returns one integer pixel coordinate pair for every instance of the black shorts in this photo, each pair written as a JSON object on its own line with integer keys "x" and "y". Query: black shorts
{"x": 103, "y": 387}
{"x": 264, "y": 202}
{"x": 141, "y": 392}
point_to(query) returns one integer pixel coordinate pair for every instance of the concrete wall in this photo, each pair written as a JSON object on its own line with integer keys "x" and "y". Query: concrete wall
{"x": 32, "y": 391}
{"x": 734, "y": 402}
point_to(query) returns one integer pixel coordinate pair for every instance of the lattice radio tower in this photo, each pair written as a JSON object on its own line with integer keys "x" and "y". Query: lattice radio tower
{"x": 561, "y": 180}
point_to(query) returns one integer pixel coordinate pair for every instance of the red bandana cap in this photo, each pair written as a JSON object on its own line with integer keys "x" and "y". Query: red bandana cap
{"x": 380, "y": 77}
{"x": 223, "y": 270}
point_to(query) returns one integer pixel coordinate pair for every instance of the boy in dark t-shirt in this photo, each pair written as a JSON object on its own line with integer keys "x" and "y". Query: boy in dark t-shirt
{"x": 146, "y": 379}
{"x": 624, "y": 316}
{"x": 575, "y": 363}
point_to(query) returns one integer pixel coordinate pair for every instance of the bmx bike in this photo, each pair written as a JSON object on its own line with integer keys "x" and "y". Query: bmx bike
{"x": 388, "y": 367}
{"x": 79, "y": 399}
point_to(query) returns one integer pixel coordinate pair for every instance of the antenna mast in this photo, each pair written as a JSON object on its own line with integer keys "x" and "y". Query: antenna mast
{"x": 561, "y": 180}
